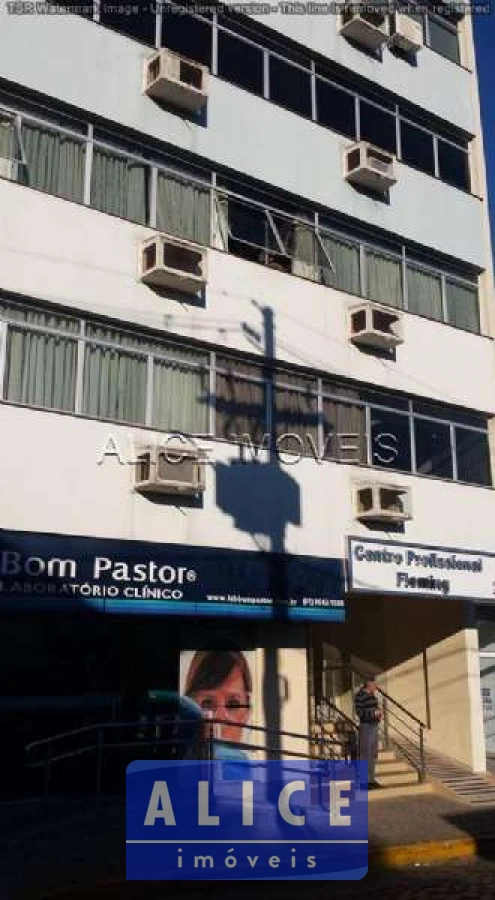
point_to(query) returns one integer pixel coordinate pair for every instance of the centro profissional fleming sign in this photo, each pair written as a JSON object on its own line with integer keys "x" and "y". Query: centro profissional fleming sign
{"x": 393, "y": 568}
{"x": 48, "y": 571}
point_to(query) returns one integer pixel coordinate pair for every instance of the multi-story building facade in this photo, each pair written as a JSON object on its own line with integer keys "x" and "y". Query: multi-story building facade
{"x": 281, "y": 240}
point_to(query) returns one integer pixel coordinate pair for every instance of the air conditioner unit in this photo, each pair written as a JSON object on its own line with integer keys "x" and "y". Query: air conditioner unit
{"x": 406, "y": 33}
{"x": 367, "y": 28}
{"x": 375, "y": 326}
{"x": 166, "y": 261}
{"x": 375, "y": 502}
{"x": 176, "y": 80}
{"x": 9, "y": 168}
{"x": 369, "y": 167}
{"x": 172, "y": 468}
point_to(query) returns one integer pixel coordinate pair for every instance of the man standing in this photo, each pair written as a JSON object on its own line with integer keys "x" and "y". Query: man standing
{"x": 369, "y": 715}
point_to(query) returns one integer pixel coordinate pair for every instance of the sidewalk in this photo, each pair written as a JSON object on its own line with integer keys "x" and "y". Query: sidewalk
{"x": 46, "y": 848}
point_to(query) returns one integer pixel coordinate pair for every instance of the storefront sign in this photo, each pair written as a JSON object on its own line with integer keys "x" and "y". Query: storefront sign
{"x": 48, "y": 571}
{"x": 389, "y": 568}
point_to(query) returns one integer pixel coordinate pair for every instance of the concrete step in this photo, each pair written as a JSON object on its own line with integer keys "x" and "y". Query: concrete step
{"x": 385, "y": 755}
{"x": 393, "y": 768}
{"x": 397, "y": 779}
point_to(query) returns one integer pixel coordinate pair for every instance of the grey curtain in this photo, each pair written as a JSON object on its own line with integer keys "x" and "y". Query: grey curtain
{"x": 462, "y": 306}
{"x": 40, "y": 369}
{"x": 119, "y": 186}
{"x": 383, "y": 279}
{"x": 7, "y": 140}
{"x": 114, "y": 384}
{"x": 183, "y": 209}
{"x": 304, "y": 261}
{"x": 344, "y": 419}
{"x": 180, "y": 397}
{"x": 345, "y": 258}
{"x": 55, "y": 162}
{"x": 296, "y": 412}
{"x": 424, "y": 293}
{"x": 240, "y": 407}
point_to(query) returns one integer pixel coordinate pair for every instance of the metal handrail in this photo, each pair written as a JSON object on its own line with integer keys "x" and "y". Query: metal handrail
{"x": 201, "y": 741}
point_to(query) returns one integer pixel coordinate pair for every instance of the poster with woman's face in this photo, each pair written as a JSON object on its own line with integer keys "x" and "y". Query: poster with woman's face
{"x": 222, "y": 683}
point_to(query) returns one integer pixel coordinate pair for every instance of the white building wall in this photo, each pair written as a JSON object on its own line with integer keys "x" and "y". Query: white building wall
{"x": 42, "y": 256}
{"x": 268, "y": 142}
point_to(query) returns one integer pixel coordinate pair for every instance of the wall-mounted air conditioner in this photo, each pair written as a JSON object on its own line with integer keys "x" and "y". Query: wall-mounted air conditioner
{"x": 176, "y": 80}
{"x": 406, "y": 33}
{"x": 372, "y": 325}
{"x": 366, "y": 27}
{"x": 377, "y": 502}
{"x": 166, "y": 261}
{"x": 369, "y": 166}
{"x": 175, "y": 467}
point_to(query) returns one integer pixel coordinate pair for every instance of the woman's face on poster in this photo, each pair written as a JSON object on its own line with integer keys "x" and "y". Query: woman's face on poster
{"x": 229, "y": 702}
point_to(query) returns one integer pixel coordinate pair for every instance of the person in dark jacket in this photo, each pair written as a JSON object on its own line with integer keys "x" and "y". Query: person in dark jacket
{"x": 369, "y": 715}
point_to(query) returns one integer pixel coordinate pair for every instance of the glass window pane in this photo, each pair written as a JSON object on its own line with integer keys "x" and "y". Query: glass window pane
{"x": 296, "y": 420}
{"x": 114, "y": 384}
{"x": 40, "y": 369}
{"x": 417, "y": 148}
{"x": 9, "y": 149}
{"x": 473, "y": 456}
{"x": 462, "y": 306}
{"x": 344, "y": 256}
{"x": 139, "y": 23}
{"x": 240, "y": 407}
{"x": 240, "y": 63}
{"x": 344, "y": 428}
{"x": 335, "y": 108}
{"x": 54, "y": 162}
{"x": 18, "y": 312}
{"x": 180, "y": 397}
{"x": 383, "y": 278}
{"x": 453, "y": 165}
{"x": 444, "y": 40}
{"x": 119, "y": 186}
{"x": 390, "y": 440}
{"x": 424, "y": 292}
{"x": 186, "y": 35}
{"x": 183, "y": 209}
{"x": 378, "y": 127}
{"x": 289, "y": 86}
{"x": 433, "y": 450}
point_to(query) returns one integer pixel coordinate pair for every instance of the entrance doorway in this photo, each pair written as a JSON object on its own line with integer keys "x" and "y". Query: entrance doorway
{"x": 486, "y": 631}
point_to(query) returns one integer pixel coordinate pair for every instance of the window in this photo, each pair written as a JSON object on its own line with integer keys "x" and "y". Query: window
{"x": 186, "y": 35}
{"x": 290, "y": 86}
{"x": 344, "y": 429}
{"x": 473, "y": 456}
{"x": 383, "y": 278}
{"x": 183, "y": 208}
{"x": 180, "y": 391}
{"x": 453, "y": 165}
{"x": 417, "y": 148}
{"x": 344, "y": 256}
{"x": 41, "y": 367}
{"x": 424, "y": 292}
{"x": 444, "y": 39}
{"x": 390, "y": 440}
{"x": 119, "y": 186}
{"x": 462, "y": 305}
{"x": 240, "y": 63}
{"x": 114, "y": 385}
{"x": 377, "y": 126}
{"x": 54, "y": 162}
{"x": 140, "y": 23}
{"x": 296, "y": 411}
{"x": 335, "y": 108}
{"x": 255, "y": 234}
{"x": 433, "y": 448}
{"x": 240, "y": 407}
